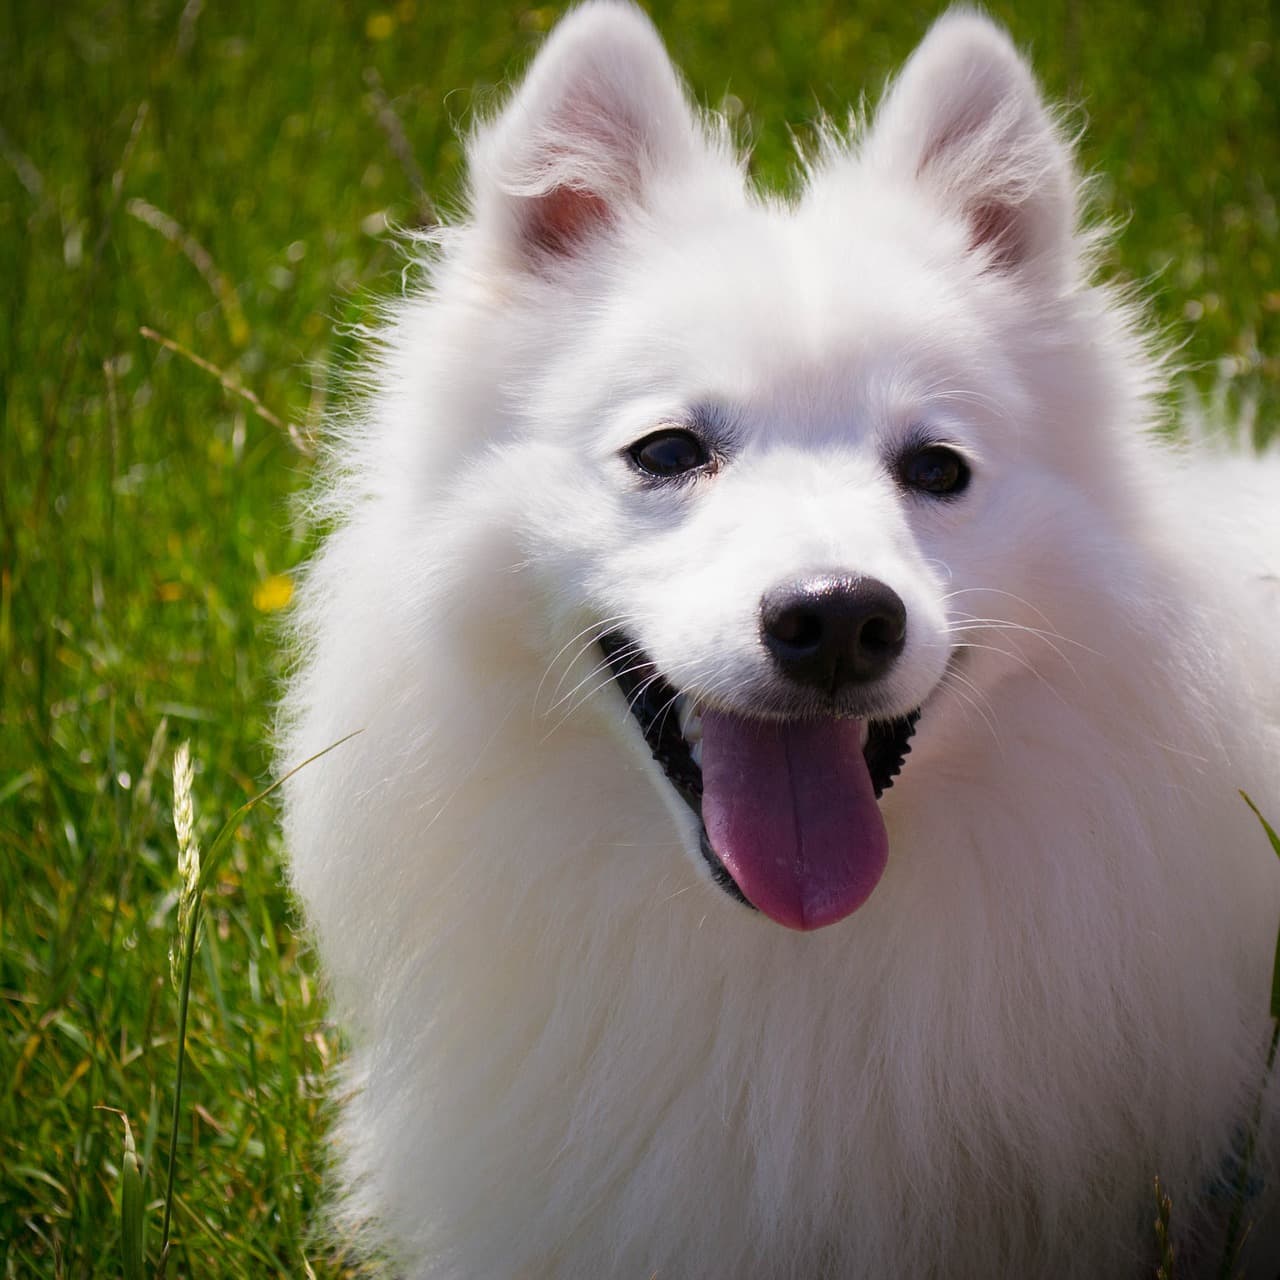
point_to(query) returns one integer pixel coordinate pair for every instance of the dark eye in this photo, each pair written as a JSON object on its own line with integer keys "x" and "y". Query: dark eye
{"x": 934, "y": 469}
{"x": 669, "y": 453}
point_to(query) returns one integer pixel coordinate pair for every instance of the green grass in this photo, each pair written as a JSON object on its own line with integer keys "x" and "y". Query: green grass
{"x": 221, "y": 176}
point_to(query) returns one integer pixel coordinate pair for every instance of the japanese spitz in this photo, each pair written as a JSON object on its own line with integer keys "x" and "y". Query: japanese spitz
{"x": 795, "y": 829}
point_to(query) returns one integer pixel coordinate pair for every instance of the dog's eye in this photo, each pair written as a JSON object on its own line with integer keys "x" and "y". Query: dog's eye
{"x": 669, "y": 453}
{"x": 934, "y": 469}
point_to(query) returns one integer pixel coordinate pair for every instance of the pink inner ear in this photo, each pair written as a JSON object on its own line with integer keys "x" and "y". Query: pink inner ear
{"x": 596, "y": 158}
{"x": 997, "y": 227}
{"x": 562, "y": 218}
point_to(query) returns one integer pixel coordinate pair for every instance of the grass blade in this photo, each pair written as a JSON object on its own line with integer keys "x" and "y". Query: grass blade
{"x": 131, "y": 1209}
{"x": 218, "y": 849}
{"x": 1275, "y": 967}
{"x": 1234, "y": 1238}
{"x": 132, "y": 1205}
{"x": 1266, "y": 826}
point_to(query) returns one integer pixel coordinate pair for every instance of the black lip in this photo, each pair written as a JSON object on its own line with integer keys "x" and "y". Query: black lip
{"x": 652, "y": 700}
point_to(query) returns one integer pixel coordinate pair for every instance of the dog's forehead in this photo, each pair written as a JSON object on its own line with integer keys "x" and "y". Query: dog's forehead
{"x": 780, "y": 316}
{"x": 801, "y": 271}
{"x": 777, "y": 289}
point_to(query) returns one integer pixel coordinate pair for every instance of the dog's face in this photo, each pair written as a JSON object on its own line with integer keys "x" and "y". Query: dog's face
{"x": 767, "y": 452}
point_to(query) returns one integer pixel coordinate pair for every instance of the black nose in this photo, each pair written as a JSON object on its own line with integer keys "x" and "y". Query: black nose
{"x": 831, "y": 631}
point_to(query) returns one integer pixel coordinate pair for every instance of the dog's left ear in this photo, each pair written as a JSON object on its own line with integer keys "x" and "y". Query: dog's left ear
{"x": 965, "y": 120}
{"x": 600, "y": 120}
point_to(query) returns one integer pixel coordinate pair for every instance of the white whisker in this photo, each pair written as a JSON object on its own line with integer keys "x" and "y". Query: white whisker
{"x": 951, "y": 681}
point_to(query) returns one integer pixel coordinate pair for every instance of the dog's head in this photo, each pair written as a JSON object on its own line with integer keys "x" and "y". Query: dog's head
{"x": 788, "y": 469}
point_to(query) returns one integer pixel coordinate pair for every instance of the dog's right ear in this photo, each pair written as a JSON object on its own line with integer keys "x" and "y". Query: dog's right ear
{"x": 599, "y": 120}
{"x": 965, "y": 122}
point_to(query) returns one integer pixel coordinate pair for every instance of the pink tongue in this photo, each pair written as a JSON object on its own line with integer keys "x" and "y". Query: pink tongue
{"x": 791, "y": 812}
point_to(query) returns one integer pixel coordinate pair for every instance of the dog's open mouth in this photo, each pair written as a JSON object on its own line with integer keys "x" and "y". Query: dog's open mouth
{"x": 790, "y": 823}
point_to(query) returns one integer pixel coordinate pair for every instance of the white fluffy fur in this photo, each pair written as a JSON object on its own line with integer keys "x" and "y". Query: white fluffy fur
{"x": 575, "y": 1056}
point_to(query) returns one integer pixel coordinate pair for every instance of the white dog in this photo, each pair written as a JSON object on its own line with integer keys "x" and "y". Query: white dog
{"x": 795, "y": 830}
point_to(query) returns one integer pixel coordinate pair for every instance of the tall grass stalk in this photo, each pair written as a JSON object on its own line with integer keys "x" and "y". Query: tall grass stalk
{"x": 188, "y": 923}
{"x": 196, "y": 875}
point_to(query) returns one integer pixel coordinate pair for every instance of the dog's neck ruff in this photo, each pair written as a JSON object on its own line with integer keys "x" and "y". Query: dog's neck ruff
{"x": 789, "y": 820}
